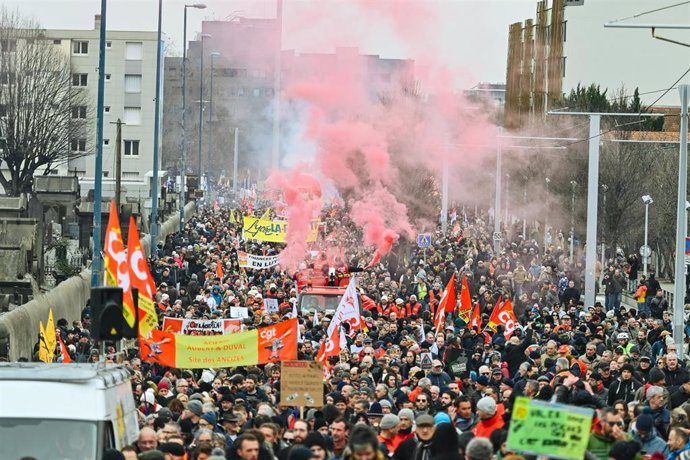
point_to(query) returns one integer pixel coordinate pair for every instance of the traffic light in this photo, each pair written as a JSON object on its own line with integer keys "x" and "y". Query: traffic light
{"x": 133, "y": 332}
{"x": 107, "y": 320}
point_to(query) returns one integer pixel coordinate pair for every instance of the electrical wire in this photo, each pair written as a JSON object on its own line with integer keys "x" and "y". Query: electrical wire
{"x": 644, "y": 13}
{"x": 645, "y": 110}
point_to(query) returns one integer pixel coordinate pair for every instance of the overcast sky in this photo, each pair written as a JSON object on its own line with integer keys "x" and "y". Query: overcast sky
{"x": 470, "y": 36}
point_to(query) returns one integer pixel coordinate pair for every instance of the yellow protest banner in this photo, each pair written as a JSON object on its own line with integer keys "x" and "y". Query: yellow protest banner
{"x": 43, "y": 353}
{"x": 51, "y": 338}
{"x": 273, "y": 231}
{"x": 229, "y": 350}
{"x": 555, "y": 430}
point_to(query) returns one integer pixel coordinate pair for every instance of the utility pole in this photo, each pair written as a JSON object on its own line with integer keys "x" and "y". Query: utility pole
{"x": 118, "y": 163}
{"x": 524, "y": 211}
{"x": 573, "y": 184}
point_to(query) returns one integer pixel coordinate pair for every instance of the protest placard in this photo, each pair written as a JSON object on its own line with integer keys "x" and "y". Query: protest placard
{"x": 271, "y": 306}
{"x": 556, "y": 430}
{"x": 301, "y": 383}
{"x": 239, "y": 312}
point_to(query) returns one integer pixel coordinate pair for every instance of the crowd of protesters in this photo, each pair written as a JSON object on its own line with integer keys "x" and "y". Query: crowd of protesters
{"x": 381, "y": 399}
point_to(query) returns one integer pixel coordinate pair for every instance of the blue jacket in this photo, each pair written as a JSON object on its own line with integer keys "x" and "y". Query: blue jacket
{"x": 651, "y": 444}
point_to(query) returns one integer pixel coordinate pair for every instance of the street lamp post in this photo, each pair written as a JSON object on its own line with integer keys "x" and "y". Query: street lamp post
{"x": 647, "y": 200}
{"x": 214, "y": 55}
{"x": 507, "y": 195}
{"x": 201, "y": 102}
{"x": 573, "y": 184}
{"x": 524, "y": 204}
{"x": 546, "y": 217}
{"x": 156, "y": 136}
{"x": 183, "y": 140}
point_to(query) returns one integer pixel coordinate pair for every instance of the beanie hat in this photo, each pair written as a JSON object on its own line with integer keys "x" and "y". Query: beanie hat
{"x": 534, "y": 354}
{"x": 655, "y": 375}
{"x": 195, "y": 407}
{"x": 315, "y": 439}
{"x": 300, "y": 453}
{"x": 441, "y": 417}
{"x": 487, "y": 405}
{"x": 172, "y": 448}
{"x": 319, "y": 422}
{"x": 210, "y": 417}
{"x": 406, "y": 413}
{"x": 628, "y": 367}
{"x": 164, "y": 383}
{"x": 113, "y": 454}
{"x": 386, "y": 403}
{"x": 389, "y": 421}
{"x": 644, "y": 423}
{"x": 375, "y": 410}
{"x": 483, "y": 380}
{"x": 624, "y": 450}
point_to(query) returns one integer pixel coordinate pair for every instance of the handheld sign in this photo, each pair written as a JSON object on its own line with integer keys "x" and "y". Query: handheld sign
{"x": 555, "y": 430}
{"x": 301, "y": 383}
{"x": 271, "y": 305}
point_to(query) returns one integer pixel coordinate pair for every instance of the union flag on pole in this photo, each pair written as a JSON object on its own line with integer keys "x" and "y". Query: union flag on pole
{"x": 446, "y": 304}
{"x": 465, "y": 301}
{"x": 348, "y": 310}
{"x": 476, "y": 318}
{"x": 504, "y": 315}
{"x": 331, "y": 347}
{"x": 115, "y": 261}
{"x": 141, "y": 278}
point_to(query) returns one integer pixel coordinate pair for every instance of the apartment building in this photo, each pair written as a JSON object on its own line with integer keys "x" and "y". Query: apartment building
{"x": 130, "y": 85}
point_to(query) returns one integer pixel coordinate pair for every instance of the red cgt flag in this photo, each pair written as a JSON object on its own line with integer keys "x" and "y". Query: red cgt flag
{"x": 140, "y": 277}
{"x": 115, "y": 263}
{"x": 465, "y": 300}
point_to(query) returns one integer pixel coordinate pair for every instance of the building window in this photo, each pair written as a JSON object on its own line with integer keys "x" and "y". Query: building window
{"x": 79, "y": 112}
{"x": 565, "y": 30}
{"x": 57, "y": 42}
{"x": 106, "y": 173}
{"x": 256, "y": 92}
{"x": 106, "y": 109}
{"x": 8, "y": 45}
{"x": 134, "y": 51}
{"x": 129, "y": 174}
{"x": 132, "y": 115}
{"x": 131, "y": 148}
{"x": 563, "y": 66}
{"x": 80, "y": 79}
{"x": 108, "y": 44}
{"x": 80, "y": 47}
{"x": 132, "y": 83}
{"x": 106, "y": 142}
{"x": 78, "y": 145}
{"x": 107, "y": 77}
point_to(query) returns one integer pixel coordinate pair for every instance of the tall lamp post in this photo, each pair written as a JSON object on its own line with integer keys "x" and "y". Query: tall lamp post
{"x": 573, "y": 184}
{"x": 201, "y": 102}
{"x": 524, "y": 204}
{"x": 213, "y": 55}
{"x": 546, "y": 222}
{"x": 156, "y": 136}
{"x": 183, "y": 141}
{"x": 647, "y": 200}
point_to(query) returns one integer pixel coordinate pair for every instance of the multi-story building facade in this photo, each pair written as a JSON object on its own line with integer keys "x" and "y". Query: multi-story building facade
{"x": 244, "y": 65}
{"x": 130, "y": 86}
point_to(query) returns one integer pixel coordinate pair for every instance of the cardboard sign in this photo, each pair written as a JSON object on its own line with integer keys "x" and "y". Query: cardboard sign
{"x": 301, "y": 383}
{"x": 256, "y": 262}
{"x": 555, "y": 430}
{"x": 239, "y": 312}
{"x": 271, "y": 306}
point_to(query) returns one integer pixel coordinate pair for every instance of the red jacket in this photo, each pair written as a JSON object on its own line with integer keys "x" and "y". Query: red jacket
{"x": 413, "y": 309}
{"x": 484, "y": 428}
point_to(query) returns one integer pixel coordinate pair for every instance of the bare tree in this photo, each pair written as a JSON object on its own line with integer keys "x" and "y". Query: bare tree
{"x": 43, "y": 118}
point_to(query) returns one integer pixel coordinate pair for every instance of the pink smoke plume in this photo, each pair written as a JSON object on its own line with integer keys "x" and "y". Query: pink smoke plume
{"x": 302, "y": 193}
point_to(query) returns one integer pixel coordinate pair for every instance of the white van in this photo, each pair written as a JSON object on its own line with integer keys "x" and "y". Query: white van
{"x": 65, "y": 411}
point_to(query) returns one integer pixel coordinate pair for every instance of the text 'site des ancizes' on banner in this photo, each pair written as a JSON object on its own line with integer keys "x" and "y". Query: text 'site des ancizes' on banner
{"x": 273, "y": 231}
{"x": 274, "y": 343}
